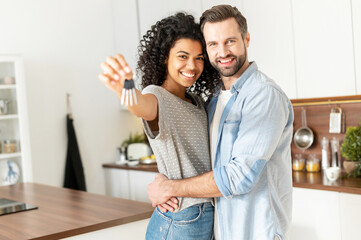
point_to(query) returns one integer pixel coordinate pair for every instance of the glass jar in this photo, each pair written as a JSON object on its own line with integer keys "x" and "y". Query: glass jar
{"x": 10, "y": 146}
{"x": 298, "y": 163}
{"x": 313, "y": 164}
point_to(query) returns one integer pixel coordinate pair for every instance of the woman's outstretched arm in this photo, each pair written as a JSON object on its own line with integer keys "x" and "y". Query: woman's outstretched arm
{"x": 115, "y": 71}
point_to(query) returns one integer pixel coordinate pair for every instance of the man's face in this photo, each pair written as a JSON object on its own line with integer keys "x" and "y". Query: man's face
{"x": 226, "y": 48}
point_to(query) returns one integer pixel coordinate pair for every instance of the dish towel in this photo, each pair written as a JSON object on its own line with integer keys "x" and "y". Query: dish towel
{"x": 74, "y": 173}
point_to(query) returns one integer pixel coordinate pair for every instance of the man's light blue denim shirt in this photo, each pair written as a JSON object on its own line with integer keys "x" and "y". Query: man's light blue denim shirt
{"x": 252, "y": 167}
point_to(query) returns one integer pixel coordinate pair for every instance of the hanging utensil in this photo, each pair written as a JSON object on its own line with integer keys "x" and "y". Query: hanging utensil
{"x": 128, "y": 93}
{"x": 303, "y": 137}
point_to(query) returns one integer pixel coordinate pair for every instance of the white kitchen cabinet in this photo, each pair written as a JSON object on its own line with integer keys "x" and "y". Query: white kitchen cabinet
{"x": 14, "y": 124}
{"x": 138, "y": 182}
{"x": 356, "y": 20}
{"x": 316, "y": 215}
{"x": 117, "y": 183}
{"x": 350, "y": 210}
{"x": 128, "y": 184}
{"x": 129, "y": 231}
{"x": 271, "y": 44}
{"x": 323, "y": 48}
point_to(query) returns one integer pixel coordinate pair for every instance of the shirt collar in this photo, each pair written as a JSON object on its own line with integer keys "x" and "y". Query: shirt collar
{"x": 245, "y": 75}
{"x": 240, "y": 81}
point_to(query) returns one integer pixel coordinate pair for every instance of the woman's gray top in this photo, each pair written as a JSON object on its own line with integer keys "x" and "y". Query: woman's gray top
{"x": 181, "y": 145}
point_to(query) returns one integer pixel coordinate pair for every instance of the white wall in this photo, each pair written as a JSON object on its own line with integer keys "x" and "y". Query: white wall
{"x": 356, "y": 27}
{"x": 271, "y": 45}
{"x": 152, "y": 11}
{"x": 63, "y": 43}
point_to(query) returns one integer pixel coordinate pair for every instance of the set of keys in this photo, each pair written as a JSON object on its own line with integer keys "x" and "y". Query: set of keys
{"x": 128, "y": 94}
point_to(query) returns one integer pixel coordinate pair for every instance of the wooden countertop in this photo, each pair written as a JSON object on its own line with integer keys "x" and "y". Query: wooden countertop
{"x": 316, "y": 181}
{"x": 319, "y": 181}
{"x": 139, "y": 167}
{"x": 64, "y": 212}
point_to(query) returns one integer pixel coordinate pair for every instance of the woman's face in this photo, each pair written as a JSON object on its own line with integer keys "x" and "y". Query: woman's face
{"x": 185, "y": 63}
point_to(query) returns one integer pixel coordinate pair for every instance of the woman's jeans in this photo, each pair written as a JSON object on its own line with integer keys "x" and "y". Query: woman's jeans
{"x": 195, "y": 222}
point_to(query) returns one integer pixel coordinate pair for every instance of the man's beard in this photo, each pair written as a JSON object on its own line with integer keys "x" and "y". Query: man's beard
{"x": 230, "y": 71}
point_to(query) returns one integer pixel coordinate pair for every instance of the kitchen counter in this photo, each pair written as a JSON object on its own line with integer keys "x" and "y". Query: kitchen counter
{"x": 316, "y": 181}
{"x": 139, "y": 167}
{"x": 64, "y": 212}
{"x": 319, "y": 181}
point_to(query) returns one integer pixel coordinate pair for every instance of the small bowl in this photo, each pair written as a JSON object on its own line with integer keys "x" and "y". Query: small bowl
{"x": 333, "y": 173}
{"x": 132, "y": 163}
{"x": 148, "y": 161}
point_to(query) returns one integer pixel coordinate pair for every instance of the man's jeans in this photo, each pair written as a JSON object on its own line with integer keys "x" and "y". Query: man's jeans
{"x": 195, "y": 222}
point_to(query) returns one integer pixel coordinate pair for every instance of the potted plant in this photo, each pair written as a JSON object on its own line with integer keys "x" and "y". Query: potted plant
{"x": 136, "y": 138}
{"x": 351, "y": 151}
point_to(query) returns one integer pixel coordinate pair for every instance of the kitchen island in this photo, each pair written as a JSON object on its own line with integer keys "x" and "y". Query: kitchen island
{"x": 64, "y": 213}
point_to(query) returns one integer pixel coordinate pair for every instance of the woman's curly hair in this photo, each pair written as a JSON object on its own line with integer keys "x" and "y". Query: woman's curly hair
{"x": 155, "y": 47}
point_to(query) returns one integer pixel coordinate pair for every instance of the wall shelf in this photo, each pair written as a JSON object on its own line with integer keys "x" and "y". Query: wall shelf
{"x": 326, "y": 100}
{"x": 318, "y": 117}
{"x": 14, "y": 126}
{"x": 7, "y": 86}
{"x": 10, "y": 155}
{"x": 9, "y": 116}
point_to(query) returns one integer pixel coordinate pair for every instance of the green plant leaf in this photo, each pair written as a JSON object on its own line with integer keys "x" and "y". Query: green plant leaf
{"x": 351, "y": 148}
{"x": 136, "y": 138}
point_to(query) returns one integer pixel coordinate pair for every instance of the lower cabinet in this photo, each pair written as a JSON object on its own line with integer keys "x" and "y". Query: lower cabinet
{"x": 128, "y": 184}
{"x": 130, "y": 231}
{"x": 315, "y": 215}
{"x": 319, "y": 215}
{"x": 350, "y": 213}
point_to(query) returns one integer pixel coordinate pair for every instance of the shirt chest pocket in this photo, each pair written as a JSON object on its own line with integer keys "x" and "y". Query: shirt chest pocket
{"x": 230, "y": 130}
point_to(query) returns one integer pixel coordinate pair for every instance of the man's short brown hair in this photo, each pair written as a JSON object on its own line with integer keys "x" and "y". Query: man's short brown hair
{"x": 222, "y": 12}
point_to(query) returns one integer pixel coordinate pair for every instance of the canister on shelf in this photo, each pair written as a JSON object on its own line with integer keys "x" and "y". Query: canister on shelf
{"x": 9, "y": 80}
{"x": 298, "y": 163}
{"x": 313, "y": 164}
{"x": 10, "y": 146}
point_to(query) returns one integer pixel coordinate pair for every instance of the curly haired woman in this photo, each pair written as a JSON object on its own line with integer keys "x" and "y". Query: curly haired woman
{"x": 176, "y": 77}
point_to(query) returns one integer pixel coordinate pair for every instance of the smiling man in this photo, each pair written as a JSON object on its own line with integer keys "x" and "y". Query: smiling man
{"x": 250, "y": 128}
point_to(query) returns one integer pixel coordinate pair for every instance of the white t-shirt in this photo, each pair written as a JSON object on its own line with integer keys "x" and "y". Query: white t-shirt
{"x": 223, "y": 99}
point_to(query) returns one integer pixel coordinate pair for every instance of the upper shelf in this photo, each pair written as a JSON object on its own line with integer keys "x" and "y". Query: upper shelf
{"x": 9, "y": 116}
{"x": 7, "y": 86}
{"x": 10, "y": 155}
{"x": 326, "y": 100}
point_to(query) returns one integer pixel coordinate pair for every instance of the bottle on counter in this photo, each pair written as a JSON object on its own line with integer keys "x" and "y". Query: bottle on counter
{"x": 324, "y": 161}
{"x": 334, "y": 147}
{"x": 122, "y": 159}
